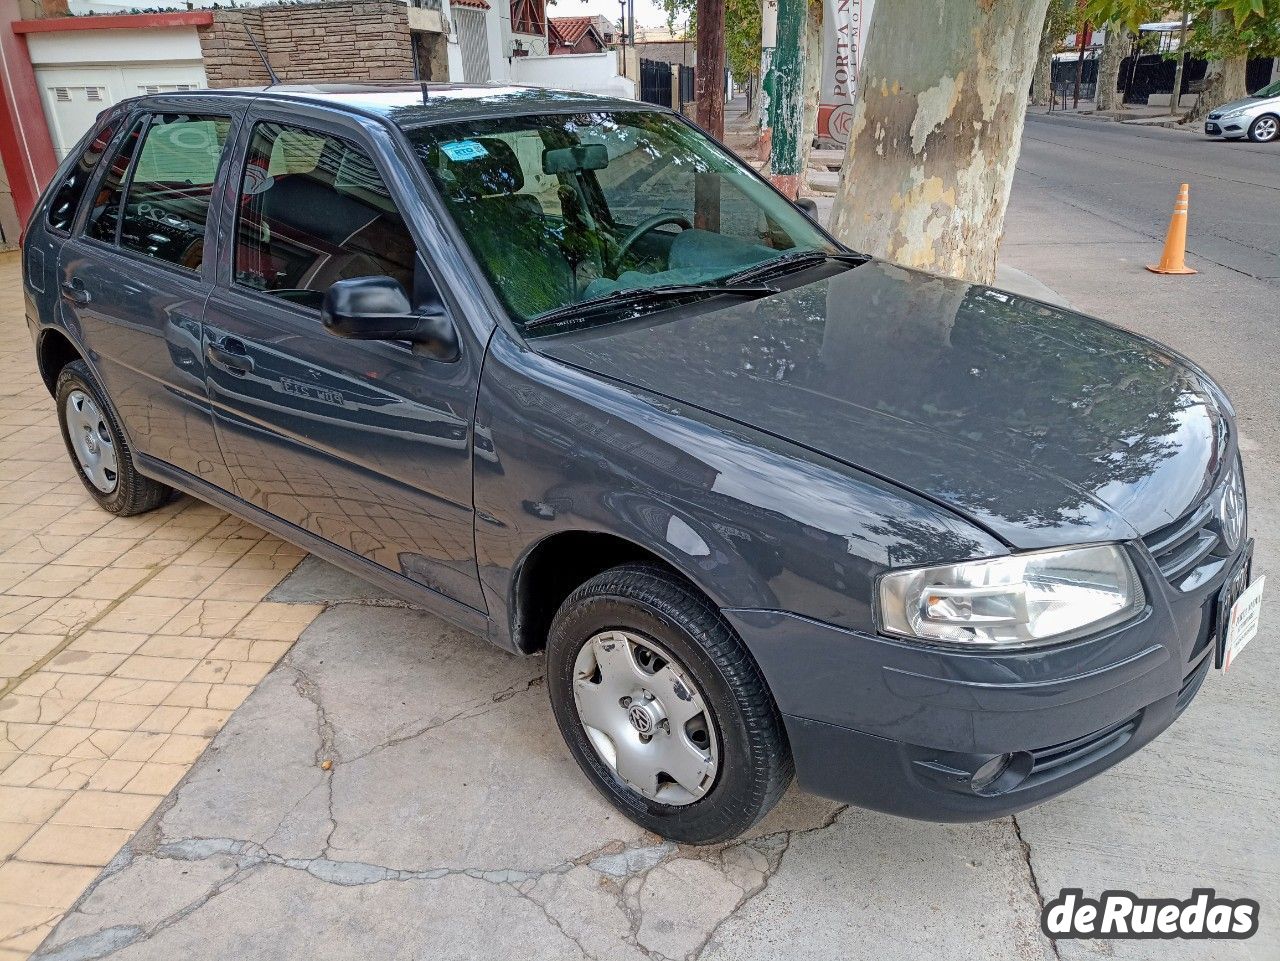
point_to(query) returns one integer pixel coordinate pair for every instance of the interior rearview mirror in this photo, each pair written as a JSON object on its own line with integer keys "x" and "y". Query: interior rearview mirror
{"x": 377, "y": 308}
{"x": 568, "y": 160}
{"x": 809, "y": 206}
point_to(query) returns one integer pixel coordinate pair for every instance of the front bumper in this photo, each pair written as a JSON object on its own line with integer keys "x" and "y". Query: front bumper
{"x": 902, "y": 727}
{"x": 1236, "y": 127}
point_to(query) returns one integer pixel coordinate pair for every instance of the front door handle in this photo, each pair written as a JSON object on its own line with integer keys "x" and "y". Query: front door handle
{"x": 231, "y": 355}
{"x": 74, "y": 291}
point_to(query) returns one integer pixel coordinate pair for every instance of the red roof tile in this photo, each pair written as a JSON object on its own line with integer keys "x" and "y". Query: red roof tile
{"x": 569, "y": 30}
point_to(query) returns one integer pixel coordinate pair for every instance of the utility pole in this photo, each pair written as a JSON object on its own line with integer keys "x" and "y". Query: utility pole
{"x": 710, "y": 78}
{"x": 1176, "y": 96}
{"x": 786, "y": 97}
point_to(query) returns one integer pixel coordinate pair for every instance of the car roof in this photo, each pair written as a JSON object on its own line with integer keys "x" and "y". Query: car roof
{"x": 416, "y": 105}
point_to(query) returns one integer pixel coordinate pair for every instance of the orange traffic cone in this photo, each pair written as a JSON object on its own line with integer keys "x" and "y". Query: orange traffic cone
{"x": 1173, "y": 261}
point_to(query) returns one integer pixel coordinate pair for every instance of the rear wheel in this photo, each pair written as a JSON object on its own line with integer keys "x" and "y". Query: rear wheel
{"x": 663, "y": 707}
{"x": 98, "y": 448}
{"x": 1264, "y": 129}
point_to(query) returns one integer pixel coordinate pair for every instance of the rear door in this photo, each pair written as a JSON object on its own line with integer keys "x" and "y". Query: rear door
{"x": 134, "y": 278}
{"x": 363, "y": 443}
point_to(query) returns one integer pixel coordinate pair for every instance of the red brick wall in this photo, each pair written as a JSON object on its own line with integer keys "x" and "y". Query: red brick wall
{"x": 360, "y": 40}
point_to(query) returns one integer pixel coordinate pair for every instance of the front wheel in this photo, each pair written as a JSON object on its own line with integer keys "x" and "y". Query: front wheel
{"x": 1264, "y": 129}
{"x": 663, "y": 707}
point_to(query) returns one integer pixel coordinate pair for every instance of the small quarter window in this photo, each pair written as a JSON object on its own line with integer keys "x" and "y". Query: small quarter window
{"x": 313, "y": 210}
{"x": 104, "y": 215}
{"x": 66, "y": 199}
{"x": 167, "y": 205}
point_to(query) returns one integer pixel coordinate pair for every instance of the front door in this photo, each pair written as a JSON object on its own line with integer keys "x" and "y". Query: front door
{"x": 134, "y": 280}
{"x": 363, "y": 443}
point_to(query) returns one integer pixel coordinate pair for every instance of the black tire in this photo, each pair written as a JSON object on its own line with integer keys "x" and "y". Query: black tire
{"x": 755, "y": 764}
{"x": 1265, "y": 129}
{"x": 133, "y": 493}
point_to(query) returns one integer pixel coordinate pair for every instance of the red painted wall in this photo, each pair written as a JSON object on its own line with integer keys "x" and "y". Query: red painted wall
{"x": 25, "y": 145}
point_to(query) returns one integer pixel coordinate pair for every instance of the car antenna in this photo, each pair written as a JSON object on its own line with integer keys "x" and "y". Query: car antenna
{"x": 261, "y": 56}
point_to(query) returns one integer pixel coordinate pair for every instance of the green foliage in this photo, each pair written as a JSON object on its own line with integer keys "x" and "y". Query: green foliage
{"x": 1253, "y": 28}
{"x": 741, "y": 31}
{"x": 1129, "y": 13}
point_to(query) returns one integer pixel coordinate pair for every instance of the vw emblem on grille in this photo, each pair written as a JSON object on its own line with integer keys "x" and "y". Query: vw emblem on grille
{"x": 1231, "y": 510}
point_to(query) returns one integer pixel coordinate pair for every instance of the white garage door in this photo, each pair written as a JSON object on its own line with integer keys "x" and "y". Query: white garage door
{"x": 74, "y": 96}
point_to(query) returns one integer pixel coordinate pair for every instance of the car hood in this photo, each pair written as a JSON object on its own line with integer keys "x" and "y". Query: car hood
{"x": 1246, "y": 103}
{"x": 1044, "y": 426}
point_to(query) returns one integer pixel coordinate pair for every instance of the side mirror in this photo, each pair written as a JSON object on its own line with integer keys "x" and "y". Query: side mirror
{"x": 377, "y": 308}
{"x": 809, "y": 206}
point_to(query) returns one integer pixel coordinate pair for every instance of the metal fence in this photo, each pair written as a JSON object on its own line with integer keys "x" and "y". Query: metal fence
{"x": 655, "y": 82}
{"x": 1153, "y": 73}
{"x": 688, "y": 80}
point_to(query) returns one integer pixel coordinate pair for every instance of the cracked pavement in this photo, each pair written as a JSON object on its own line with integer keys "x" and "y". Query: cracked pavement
{"x": 451, "y": 823}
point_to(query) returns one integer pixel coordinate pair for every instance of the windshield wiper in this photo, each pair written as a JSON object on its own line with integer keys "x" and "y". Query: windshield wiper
{"x": 646, "y": 295}
{"x": 794, "y": 261}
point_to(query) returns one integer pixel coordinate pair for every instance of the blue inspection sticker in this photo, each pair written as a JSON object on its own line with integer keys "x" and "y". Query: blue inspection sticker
{"x": 463, "y": 150}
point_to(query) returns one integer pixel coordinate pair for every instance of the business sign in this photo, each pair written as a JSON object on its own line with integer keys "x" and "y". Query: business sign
{"x": 844, "y": 27}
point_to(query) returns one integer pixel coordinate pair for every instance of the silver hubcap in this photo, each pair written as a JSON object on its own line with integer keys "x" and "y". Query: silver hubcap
{"x": 1265, "y": 130}
{"x": 91, "y": 440}
{"x": 645, "y": 717}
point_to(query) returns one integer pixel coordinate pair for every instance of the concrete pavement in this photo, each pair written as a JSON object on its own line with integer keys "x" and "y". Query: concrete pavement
{"x": 450, "y": 822}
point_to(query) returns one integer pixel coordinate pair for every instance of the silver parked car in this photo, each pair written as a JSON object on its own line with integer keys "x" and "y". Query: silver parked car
{"x": 1256, "y": 117}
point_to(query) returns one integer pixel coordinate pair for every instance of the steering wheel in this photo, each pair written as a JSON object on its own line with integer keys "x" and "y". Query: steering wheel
{"x": 652, "y": 223}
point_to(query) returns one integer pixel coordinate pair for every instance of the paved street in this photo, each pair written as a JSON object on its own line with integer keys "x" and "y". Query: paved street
{"x": 1128, "y": 176}
{"x": 395, "y": 789}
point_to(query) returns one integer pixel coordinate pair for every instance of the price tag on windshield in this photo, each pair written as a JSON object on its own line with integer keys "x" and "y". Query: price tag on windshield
{"x": 459, "y": 150}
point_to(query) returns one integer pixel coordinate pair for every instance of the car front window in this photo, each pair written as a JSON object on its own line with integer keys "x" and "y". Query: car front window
{"x": 561, "y": 209}
{"x": 1271, "y": 90}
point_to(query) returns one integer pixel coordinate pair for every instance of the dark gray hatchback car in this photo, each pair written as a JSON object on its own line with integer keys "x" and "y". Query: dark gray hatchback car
{"x": 564, "y": 371}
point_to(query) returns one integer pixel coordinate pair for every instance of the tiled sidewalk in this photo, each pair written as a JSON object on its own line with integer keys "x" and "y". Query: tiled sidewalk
{"x": 125, "y": 643}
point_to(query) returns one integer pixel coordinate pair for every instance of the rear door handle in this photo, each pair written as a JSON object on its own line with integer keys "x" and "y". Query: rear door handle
{"x": 231, "y": 355}
{"x": 74, "y": 291}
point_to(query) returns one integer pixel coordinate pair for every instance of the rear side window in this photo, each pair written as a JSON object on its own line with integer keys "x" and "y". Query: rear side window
{"x": 313, "y": 210}
{"x": 66, "y": 199}
{"x": 104, "y": 215}
{"x": 167, "y": 203}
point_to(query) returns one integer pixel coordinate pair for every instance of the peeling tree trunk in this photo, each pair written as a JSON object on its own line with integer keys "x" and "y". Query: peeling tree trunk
{"x": 936, "y": 130}
{"x": 1042, "y": 82}
{"x": 1113, "y": 47}
{"x": 1224, "y": 80}
{"x": 812, "y": 85}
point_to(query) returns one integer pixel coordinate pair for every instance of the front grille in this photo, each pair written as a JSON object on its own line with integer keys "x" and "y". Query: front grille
{"x": 1063, "y": 758}
{"x": 1190, "y": 550}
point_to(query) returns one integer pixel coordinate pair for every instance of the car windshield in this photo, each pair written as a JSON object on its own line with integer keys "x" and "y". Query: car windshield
{"x": 567, "y": 208}
{"x": 1270, "y": 90}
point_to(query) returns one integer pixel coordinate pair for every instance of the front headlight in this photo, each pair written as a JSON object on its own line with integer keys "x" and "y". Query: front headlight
{"x": 1234, "y": 113}
{"x": 1018, "y": 601}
